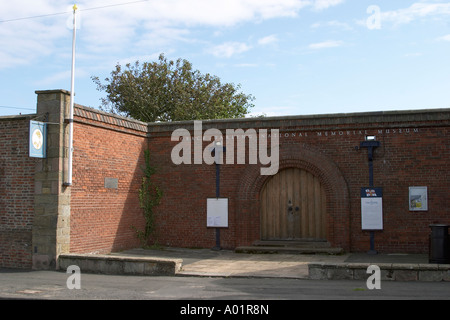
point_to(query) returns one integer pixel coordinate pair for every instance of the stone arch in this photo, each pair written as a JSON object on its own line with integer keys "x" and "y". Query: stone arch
{"x": 304, "y": 157}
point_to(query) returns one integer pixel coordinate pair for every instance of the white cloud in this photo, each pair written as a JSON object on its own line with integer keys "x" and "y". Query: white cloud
{"x": 139, "y": 25}
{"x": 213, "y": 12}
{"x": 20, "y": 46}
{"x": 332, "y": 24}
{"x": 268, "y": 40}
{"x": 49, "y": 80}
{"x": 325, "y": 4}
{"x": 413, "y": 55}
{"x": 22, "y": 41}
{"x": 326, "y": 44}
{"x": 229, "y": 49}
{"x": 416, "y": 11}
{"x": 419, "y": 10}
{"x": 161, "y": 38}
{"x": 246, "y": 65}
{"x": 22, "y": 8}
{"x": 444, "y": 38}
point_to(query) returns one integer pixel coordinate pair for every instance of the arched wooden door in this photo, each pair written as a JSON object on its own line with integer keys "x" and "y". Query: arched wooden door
{"x": 293, "y": 206}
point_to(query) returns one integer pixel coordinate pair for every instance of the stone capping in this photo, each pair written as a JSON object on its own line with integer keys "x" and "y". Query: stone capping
{"x": 107, "y": 264}
{"x": 57, "y": 91}
{"x": 109, "y": 118}
{"x": 389, "y": 271}
{"x": 18, "y": 117}
{"x": 324, "y": 121}
{"x": 103, "y": 118}
{"x": 378, "y": 119}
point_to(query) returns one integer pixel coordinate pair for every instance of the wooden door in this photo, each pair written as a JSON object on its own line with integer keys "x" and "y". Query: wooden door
{"x": 293, "y": 206}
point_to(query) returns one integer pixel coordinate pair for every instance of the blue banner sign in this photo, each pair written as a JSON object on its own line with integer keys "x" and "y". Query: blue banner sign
{"x": 38, "y": 139}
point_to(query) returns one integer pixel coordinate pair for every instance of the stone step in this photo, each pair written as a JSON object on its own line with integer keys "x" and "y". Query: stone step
{"x": 293, "y": 244}
{"x": 288, "y": 250}
{"x": 115, "y": 264}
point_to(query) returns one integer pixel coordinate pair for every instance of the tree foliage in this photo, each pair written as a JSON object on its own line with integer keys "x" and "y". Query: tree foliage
{"x": 171, "y": 91}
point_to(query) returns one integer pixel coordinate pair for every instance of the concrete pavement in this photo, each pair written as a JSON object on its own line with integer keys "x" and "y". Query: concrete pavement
{"x": 225, "y": 263}
{"x": 349, "y": 266}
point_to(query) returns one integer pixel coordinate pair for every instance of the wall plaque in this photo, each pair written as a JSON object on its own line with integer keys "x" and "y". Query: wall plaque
{"x": 111, "y": 183}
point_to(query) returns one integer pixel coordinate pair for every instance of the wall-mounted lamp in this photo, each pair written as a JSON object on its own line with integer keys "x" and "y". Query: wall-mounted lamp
{"x": 370, "y": 143}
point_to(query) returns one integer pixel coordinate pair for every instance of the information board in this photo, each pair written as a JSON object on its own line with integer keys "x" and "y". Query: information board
{"x": 217, "y": 213}
{"x": 371, "y": 208}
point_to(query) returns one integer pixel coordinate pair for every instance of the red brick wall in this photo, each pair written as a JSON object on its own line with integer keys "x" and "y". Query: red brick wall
{"x": 413, "y": 152}
{"x": 181, "y": 216}
{"x": 101, "y": 218}
{"x": 16, "y": 193}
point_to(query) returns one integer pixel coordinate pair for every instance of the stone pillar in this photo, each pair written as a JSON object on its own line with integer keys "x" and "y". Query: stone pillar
{"x": 51, "y": 226}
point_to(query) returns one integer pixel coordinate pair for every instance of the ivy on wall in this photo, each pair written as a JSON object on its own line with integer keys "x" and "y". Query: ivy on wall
{"x": 149, "y": 197}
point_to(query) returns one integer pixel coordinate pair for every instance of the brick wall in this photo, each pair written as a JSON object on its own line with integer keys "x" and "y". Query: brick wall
{"x": 16, "y": 193}
{"x": 103, "y": 211}
{"x": 107, "y": 175}
{"x": 414, "y": 152}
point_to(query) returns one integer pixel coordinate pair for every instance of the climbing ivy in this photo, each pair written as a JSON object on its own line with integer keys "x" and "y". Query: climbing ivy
{"x": 149, "y": 197}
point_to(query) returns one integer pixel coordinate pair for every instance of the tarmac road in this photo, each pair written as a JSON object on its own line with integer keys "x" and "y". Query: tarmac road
{"x": 52, "y": 285}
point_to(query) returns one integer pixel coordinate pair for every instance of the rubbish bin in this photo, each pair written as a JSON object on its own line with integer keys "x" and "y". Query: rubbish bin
{"x": 439, "y": 244}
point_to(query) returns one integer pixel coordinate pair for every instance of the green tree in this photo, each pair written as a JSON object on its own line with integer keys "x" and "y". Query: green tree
{"x": 171, "y": 91}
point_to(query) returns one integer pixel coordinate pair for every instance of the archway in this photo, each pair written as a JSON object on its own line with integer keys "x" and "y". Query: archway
{"x": 303, "y": 157}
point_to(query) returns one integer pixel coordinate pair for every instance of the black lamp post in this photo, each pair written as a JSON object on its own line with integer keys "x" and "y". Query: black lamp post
{"x": 218, "y": 148}
{"x": 370, "y": 143}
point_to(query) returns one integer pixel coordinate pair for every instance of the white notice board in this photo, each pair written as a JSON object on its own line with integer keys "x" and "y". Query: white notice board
{"x": 372, "y": 213}
{"x": 217, "y": 213}
{"x": 371, "y": 209}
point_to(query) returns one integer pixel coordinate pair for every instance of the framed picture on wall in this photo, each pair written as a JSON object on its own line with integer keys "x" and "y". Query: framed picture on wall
{"x": 418, "y": 198}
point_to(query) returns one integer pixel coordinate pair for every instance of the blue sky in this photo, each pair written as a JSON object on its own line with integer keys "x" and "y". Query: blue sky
{"x": 295, "y": 57}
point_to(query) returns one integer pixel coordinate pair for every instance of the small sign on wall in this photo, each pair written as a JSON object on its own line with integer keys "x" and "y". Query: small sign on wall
{"x": 371, "y": 208}
{"x": 111, "y": 183}
{"x": 38, "y": 139}
{"x": 418, "y": 198}
{"x": 217, "y": 213}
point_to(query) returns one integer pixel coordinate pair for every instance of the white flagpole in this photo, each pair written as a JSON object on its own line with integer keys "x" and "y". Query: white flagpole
{"x": 72, "y": 94}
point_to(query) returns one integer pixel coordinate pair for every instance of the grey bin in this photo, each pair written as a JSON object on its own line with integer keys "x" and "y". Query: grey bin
{"x": 439, "y": 244}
